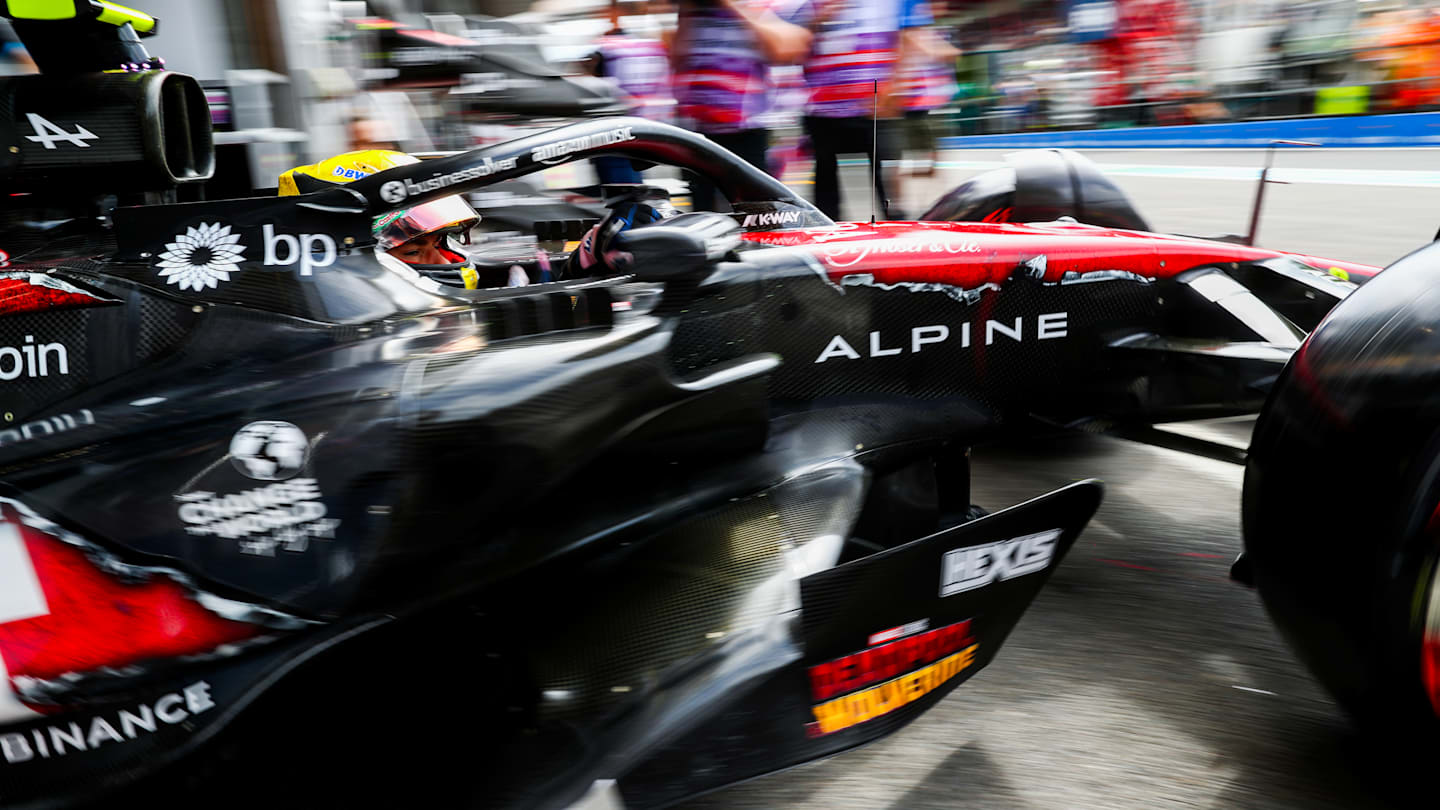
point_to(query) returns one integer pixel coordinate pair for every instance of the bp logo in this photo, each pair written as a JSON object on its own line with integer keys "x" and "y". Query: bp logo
{"x": 203, "y": 256}
{"x": 393, "y": 192}
{"x": 269, "y": 451}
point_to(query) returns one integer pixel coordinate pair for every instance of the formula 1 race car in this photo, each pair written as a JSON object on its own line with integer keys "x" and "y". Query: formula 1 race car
{"x": 281, "y": 524}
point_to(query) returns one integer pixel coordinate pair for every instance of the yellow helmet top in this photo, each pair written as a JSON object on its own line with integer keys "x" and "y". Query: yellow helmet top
{"x": 397, "y": 227}
{"x": 343, "y": 168}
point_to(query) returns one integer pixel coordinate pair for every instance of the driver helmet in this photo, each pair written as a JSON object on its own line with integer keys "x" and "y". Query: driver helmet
{"x": 407, "y": 235}
{"x": 632, "y": 207}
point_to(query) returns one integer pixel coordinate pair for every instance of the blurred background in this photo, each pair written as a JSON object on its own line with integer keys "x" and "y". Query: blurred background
{"x": 294, "y": 81}
{"x": 298, "y": 80}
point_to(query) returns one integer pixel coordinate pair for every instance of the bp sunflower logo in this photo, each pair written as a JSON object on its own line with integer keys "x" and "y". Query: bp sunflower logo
{"x": 203, "y": 256}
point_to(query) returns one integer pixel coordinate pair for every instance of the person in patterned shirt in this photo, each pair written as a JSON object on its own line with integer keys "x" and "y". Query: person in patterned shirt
{"x": 721, "y": 51}
{"x": 640, "y": 68}
{"x": 853, "y": 75}
{"x": 929, "y": 78}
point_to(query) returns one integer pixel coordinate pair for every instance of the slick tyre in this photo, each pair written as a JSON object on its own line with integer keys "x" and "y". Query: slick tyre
{"x": 1340, "y": 506}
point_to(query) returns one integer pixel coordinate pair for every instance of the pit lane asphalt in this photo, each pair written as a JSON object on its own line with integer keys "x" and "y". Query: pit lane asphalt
{"x": 1142, "y": 676}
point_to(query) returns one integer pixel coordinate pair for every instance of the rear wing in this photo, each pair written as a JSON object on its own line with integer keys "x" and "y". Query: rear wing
{"x": 82, "y": 36}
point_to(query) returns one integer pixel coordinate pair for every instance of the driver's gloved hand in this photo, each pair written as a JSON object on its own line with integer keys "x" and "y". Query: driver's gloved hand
{"x": 688, "y": 240}
{"x": 685, "y": 240}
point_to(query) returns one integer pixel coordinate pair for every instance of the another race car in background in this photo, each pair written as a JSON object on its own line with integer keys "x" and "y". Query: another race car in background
{"x": 268, "y": 507}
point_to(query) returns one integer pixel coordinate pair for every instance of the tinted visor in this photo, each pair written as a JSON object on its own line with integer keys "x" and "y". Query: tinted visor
{"x": 399, "y": 227}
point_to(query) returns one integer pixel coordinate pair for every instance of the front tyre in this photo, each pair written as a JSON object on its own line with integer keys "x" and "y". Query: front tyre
{"x": 1342, "y": 492}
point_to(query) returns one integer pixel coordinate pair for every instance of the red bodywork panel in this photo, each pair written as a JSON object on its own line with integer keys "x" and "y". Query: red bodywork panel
{"x": 971, "y": 254}
{"x": 37, "y": 292}
{"x": 92, "y": 620}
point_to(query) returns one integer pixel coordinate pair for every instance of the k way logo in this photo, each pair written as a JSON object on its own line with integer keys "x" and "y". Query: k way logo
{"x": 965, "y": 569}
{"x": 773, "y": 218}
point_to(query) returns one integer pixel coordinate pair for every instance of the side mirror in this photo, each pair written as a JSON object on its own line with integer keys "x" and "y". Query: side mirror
{"x": 675, "y": 248}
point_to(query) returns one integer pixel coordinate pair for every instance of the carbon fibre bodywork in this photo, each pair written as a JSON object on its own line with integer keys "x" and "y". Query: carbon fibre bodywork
{"x": 674, "y": 528}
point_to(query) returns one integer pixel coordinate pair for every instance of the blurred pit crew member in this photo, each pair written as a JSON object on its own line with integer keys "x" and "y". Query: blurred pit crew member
{"x": 640, "y": 68}
{"x": 929, "y": 77}
{"x": 721, "y": 51}
{"x": 853, "y": 73}
{"x": 420, "y": 238}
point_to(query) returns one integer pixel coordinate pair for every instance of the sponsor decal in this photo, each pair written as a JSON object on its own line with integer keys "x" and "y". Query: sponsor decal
{"x": 393, "y": 192}
{"x": 61, "y": 738}
{"x": 310, "y": 250}
{"x": 848, "y": 254}
{"x": 47, "y": 134}
{"x": 770, "y": 219}
{"x": 898, "y": 632}
{"x": 877, "y": 681}
{"x": 396, "y": 191}
{"x": 269, "y": 451}
{"x": 47, "y": 427}
{"x": 965, "y": 569}
{"x": 203, "y": 256}
{"x": 350, "y": 174}
{"x": 556, "y": 152}
{"x": 886, "y": 658}
{"x": 33, "y": 359}
{"x": 285, "y": 515}
{"x": 382, "y": 221}
{"x": 1046, "y": 327}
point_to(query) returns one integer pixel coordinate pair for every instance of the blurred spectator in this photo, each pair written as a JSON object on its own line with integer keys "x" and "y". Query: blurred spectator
{"x": 364, "y": 132}
{"x": 1410, "y": 57}
{"x": 853, "y": 75}
{"x": 1037, "y": 109}
{"x": 929, "y": 76}
{"x": 720, "y": 52}
{"x": 640, "y": 68}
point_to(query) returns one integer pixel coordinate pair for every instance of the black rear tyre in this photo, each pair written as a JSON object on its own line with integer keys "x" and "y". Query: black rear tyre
{"x": 1341, "y": 493}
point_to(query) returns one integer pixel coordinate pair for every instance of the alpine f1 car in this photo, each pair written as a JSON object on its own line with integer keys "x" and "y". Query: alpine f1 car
{"x": 282, "y": 524}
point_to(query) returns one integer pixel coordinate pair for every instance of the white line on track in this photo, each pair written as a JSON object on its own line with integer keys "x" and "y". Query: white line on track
{"x": 1251, "y": 689}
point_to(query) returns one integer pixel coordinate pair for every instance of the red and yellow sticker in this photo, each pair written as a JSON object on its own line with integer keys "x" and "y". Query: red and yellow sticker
{"x": 880, "y": 700}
